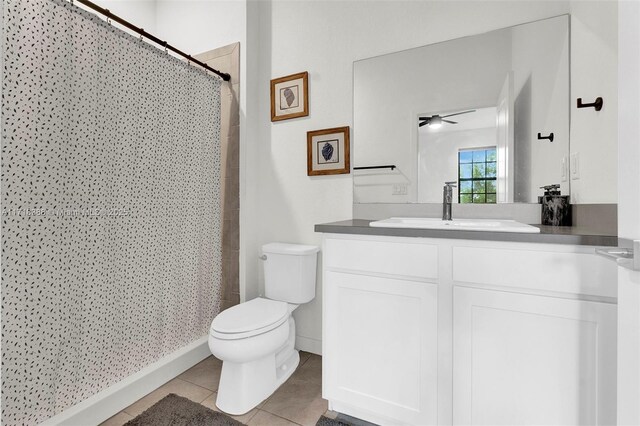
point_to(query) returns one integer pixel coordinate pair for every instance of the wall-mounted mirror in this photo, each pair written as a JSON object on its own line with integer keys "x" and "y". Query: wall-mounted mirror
{"x": 478, "y": 110}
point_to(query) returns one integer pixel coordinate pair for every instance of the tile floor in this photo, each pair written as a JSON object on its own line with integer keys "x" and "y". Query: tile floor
{"x": 297, "y": 402}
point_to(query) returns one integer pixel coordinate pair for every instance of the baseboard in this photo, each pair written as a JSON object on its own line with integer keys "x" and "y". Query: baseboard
{"x": 308, "y": 344}
{"x": 99, "y": 407}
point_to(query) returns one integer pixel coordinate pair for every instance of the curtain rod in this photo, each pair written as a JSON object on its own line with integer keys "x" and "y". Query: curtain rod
{"x": 143, "y": 33}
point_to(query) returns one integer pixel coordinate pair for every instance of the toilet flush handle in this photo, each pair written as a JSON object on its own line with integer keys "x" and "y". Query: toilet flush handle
{"x": 263, "y": 257}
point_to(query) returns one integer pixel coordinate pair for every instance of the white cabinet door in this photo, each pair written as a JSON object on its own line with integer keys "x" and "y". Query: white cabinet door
{"x": 524, "y": 359}
{"x": 380, "y": 346}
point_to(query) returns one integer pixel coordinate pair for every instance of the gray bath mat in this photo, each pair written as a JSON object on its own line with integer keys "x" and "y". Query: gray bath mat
{"x": 174, "y": 410}
{"x": 326, "y": 421}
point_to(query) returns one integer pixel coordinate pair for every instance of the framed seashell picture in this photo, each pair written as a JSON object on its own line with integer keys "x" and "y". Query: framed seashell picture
{"x": 328, "y": 152}
{"x": 290, "y": 97}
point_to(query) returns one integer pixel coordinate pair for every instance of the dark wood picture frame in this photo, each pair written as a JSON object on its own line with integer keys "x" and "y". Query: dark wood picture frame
{"x": 305, "y": 96}
{"x": 345, "y": 151}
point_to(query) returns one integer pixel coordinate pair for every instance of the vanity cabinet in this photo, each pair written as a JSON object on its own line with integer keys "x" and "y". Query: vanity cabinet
{"x": 421, "y": 331}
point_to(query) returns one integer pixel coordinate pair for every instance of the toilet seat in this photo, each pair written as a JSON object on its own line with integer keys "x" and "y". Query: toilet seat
{"x": 248, "y": 319}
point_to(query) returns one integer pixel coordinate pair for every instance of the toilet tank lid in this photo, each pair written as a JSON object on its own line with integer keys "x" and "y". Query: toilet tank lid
{"x": 291, "y": 249}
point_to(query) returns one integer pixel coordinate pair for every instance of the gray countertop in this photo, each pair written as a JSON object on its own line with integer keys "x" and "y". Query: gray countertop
{"x": 548, "y": 234}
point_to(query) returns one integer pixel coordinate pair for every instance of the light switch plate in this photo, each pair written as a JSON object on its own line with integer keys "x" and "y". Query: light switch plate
{"x": 575, "y": 165}
{"x": 564, "y": 170}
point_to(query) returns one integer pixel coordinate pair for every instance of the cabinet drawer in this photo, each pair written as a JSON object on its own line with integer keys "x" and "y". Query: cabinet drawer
{"x": 383, "y": 257}
{"x": 565, "y": 272}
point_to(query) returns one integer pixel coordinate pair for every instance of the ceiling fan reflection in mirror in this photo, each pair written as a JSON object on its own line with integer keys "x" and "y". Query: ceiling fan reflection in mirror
{"x": 435, "y": 121}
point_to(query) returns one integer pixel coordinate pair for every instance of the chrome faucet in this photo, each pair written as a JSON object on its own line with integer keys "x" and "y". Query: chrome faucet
{"x": 447, "y": 197}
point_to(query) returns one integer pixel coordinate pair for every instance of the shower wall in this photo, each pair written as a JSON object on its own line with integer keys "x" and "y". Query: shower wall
{"x": 111, "y": 236}
{"x": 227, "y": 59}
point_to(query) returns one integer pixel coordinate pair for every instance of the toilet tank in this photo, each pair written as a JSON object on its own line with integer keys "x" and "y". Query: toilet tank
{"x": 290, "y": 272}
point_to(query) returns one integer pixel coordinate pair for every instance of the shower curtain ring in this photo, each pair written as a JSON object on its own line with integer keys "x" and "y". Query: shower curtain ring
{"x": 108, "y": 13}
{"x": 165, "y": 47}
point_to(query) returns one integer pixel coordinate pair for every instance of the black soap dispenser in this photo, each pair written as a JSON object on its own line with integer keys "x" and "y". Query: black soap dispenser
{"x": 556, "y": 210}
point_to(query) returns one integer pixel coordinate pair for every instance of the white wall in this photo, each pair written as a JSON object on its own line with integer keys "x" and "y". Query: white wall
{"x": 594, "y": 68}
{"x": 324, "y": 38}
{"x": 198, "y": 26}
{"x": 141, "y": 13}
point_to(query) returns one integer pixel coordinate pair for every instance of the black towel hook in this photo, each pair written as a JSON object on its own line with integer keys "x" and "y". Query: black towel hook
{"x": 597, "y": 104}
{"x": 550, "y": 137}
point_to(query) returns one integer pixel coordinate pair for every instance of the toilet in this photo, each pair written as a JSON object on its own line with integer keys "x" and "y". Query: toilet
{"x": 255, "y": 340}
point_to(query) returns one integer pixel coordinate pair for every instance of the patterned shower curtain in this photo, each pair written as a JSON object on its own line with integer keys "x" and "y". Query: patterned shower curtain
{"x": 111, "y": 251}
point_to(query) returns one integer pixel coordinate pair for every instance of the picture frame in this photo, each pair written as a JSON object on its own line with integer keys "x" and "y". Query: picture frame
{"x": 290, "y": 97}
{"x": 328, "y": 152}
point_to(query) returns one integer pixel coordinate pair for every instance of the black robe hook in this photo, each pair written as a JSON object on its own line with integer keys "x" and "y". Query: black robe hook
{"x": 550, "y": 137}
{"x": 597, "y": 104}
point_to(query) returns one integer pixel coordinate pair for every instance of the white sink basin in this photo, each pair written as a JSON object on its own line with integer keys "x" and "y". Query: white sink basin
{"x": 491, "y": 225}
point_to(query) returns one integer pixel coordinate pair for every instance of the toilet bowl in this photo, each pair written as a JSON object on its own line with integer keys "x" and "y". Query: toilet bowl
{"x": 256, "y": 339}
{"x": 258, "y": 355}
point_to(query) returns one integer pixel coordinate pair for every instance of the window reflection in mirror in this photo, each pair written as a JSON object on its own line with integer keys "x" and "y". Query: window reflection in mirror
{"x": 477, "y": 175}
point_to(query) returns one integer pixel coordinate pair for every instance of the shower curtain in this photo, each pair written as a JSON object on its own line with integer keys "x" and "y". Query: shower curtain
{"x": 111, "y": 251}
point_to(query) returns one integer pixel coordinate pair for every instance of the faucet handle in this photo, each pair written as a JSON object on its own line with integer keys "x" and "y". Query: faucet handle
{"x": 452, "y": 183}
